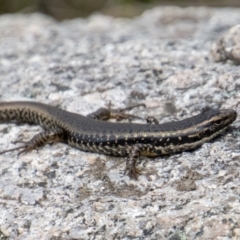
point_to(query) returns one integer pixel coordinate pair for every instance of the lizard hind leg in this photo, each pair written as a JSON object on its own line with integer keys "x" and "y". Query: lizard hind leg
{"x": 152, "y": 120}
{"x": 37, "y": 141}
{"x": 105, "y": 114}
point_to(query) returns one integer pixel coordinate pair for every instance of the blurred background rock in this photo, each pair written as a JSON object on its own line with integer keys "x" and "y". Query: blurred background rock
{"x": 67, "y": 9}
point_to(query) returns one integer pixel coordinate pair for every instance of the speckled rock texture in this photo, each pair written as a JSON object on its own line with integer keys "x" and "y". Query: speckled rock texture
{"x": 228, "y": 47}
{"x": 162, "y": 59}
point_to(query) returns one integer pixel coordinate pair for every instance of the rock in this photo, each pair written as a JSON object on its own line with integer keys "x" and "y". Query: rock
{"x": 160, "y": 59}
{"x": 228, "y": 47}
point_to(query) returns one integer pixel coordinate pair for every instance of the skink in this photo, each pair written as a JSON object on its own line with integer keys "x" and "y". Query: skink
{"x": 129, "y": 140}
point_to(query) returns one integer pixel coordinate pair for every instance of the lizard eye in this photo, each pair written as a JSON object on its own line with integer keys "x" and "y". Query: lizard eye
{"x": 218, "y": 122}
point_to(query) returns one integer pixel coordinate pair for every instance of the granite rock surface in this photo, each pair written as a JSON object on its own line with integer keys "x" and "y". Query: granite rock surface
{"x": 228, "y": 47}
{"x": 163, "y": 59}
